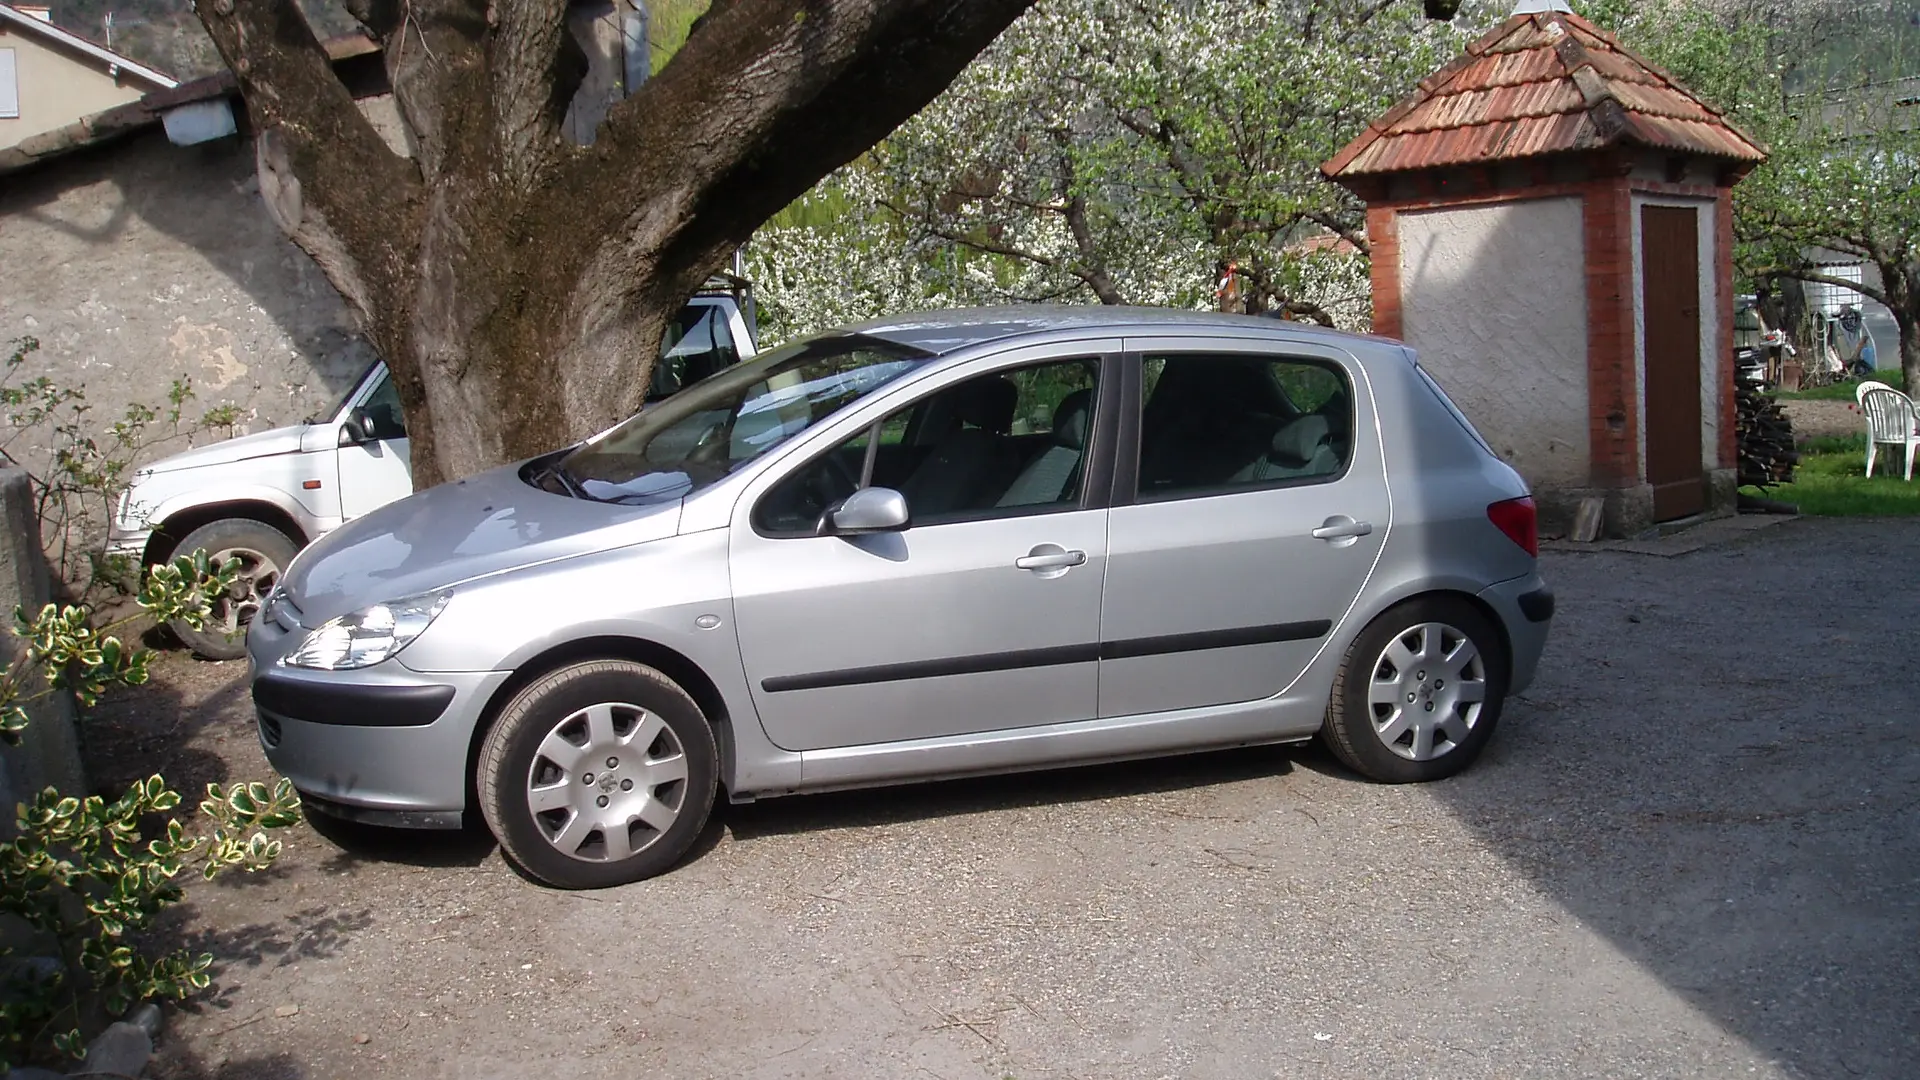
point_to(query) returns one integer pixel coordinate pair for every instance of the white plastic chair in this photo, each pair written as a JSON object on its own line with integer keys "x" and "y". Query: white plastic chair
{"x": 1891, "y": 419}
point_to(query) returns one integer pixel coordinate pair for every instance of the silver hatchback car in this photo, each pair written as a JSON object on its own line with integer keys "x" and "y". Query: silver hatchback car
{"x": 930, "y": 546}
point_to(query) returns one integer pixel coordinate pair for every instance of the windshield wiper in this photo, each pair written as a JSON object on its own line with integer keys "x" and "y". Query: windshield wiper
{"x": 568, "y": 485}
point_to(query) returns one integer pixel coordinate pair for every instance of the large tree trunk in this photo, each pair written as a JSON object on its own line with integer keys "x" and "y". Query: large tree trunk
{"x": 1900, "y": 292}
{"x": 1908, "y": 320}
{"x": 517, "y": 284}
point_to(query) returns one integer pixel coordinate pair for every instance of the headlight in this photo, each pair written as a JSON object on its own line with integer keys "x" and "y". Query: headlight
{"x": 367, "y": 637}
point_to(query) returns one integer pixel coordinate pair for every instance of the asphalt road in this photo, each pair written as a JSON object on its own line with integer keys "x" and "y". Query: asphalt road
{"x": 1691, "y": 852}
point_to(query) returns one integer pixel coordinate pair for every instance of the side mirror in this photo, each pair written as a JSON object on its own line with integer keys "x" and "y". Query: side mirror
{"x": 869, "y": 510}
{"x": 357, "y": 428}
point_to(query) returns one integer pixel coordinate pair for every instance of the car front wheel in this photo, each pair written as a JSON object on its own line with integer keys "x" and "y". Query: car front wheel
{"x": 259, "y": 553}
{"x": 597, "y": 774}
{"x": 1419, "y": 694}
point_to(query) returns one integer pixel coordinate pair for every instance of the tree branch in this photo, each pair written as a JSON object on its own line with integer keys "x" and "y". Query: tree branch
{"x": 1093, "y": 277}
{"x": 1075, "y": 212}
{"x": 1878, "y": 296}
{"x": 437, "y": 62}
{"x": 1360, "y": 21}
{"x": 537, "y": 68}
{"x": 759, "y": 103}
{"x": 318, "y": 155}
{"x": 1345, "y": 232}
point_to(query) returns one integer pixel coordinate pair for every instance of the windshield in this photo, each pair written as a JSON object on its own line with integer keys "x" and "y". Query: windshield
{"x": 333, "y": 410}
{"x": 703, "y": 434}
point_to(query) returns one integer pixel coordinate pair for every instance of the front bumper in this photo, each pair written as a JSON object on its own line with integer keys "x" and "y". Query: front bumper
{"x": 1525, "y": 606}
{"x": 383, "y": 744}
{"x": 127, "y": 543}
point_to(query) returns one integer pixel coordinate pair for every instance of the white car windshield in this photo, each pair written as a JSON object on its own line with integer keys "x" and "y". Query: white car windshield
{"x": 706, "y": 432}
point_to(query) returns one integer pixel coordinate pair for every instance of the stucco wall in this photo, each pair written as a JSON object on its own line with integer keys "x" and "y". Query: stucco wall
{"x": 56, "y": 89}
{"x": 1710, "y": 316}
{"x": 1494, "y": 299}
{"x": 140, "y": 262}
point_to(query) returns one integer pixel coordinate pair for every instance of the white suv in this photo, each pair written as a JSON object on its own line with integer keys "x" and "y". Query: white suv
{"x": 259, "y": 498}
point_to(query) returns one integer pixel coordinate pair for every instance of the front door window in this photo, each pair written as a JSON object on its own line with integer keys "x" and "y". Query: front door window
{"x": 998, "y": 445}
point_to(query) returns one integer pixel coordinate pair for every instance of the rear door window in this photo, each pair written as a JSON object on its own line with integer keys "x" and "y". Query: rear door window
{"x": 1217, "y": 422}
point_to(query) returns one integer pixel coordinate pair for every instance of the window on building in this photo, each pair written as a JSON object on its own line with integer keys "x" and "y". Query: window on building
{"x": 9, "y": 87}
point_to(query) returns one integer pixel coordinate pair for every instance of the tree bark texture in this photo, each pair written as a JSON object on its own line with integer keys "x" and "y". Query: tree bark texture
{"x": 518, "y": 284}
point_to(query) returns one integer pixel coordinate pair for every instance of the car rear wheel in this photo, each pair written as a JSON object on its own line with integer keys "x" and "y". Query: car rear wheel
{"x": 263, "y": 553}
{"x": 597, "y": 774}
{"x": 1419, "y": 694}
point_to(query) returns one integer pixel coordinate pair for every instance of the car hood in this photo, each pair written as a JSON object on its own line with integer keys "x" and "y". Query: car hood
{"x": 456, "y": 532}
{"x": 282, "y": 440}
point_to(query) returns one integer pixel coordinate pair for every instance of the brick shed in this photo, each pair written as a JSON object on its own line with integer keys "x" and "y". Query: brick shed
{"x": 1552, "y": 231}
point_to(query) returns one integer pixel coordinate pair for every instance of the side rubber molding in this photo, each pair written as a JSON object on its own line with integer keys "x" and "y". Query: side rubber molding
{"x": 351, "y": 705}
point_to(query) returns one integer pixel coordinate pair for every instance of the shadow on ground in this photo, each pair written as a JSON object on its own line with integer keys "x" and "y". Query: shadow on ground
{"x": 1719, "y": 770}
{"x": 186, "y": 1064}
{"x": 356, "y": 843}
{"x": 136, "y": 732}
{"x": 955, "y": 798}
{"x": 771, "y": 819}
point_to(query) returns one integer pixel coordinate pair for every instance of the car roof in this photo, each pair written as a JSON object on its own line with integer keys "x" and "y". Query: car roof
{"x": 945, "y": 331}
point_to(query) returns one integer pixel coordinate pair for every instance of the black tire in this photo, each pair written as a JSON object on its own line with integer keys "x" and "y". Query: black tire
{"x": 553, "y": 705}
{"x": 1352, "y": 730}
{"x": 264, "y": 552}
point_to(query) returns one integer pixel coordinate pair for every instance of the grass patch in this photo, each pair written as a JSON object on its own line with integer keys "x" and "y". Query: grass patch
{"x": 1843, "y": 391}
{"x": 1832, "y": 481}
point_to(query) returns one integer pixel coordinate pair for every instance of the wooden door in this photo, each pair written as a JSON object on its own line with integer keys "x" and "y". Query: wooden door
{"x": 1670, "y": 284}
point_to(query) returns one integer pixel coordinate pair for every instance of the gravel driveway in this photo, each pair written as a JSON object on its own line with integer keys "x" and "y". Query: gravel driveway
{"x": 1692, "y": 851}
{"x": 1817, "y": 419}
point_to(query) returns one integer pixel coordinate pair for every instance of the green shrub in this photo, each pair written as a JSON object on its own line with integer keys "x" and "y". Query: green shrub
{"x": 82, "y": 875}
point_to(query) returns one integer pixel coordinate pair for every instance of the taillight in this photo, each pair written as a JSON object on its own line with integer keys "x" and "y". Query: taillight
{"x": 1517, "y": 519}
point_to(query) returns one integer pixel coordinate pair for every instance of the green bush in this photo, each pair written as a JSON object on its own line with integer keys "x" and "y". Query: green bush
{"x": 81, "y": 875}
{"x": 85, "y": 461}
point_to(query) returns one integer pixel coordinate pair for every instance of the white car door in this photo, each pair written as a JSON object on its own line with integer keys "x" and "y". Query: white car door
{"x": 375, "y": 471}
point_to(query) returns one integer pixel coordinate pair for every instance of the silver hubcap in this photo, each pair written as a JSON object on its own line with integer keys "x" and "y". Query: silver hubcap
{"x": 607, "y": 782}
{"x": 1427, "y": 691}
{"x": 255, "y": 578}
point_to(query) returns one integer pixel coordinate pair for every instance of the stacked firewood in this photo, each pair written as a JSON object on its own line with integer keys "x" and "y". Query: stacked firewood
{"x": 1765, "y": 438}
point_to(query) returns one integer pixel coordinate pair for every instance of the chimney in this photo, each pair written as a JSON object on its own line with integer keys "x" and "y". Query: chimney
{"x": 1530, "y": 7}
{"x": 44, "y": 14}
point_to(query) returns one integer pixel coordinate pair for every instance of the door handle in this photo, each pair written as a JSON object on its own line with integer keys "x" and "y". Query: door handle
{"x": 1050, "y": 560}
{"x": 1341, "y": 527}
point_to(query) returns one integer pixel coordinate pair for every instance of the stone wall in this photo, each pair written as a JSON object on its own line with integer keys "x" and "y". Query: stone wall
{"x": 139, "y": 262}
{"x": 49, "y": 754}
{"x": 1493, "y": 298}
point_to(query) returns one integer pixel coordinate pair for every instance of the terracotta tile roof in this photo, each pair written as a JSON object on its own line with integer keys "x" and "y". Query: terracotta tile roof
{"x": 1542, "y": 83}
{"x": 1325, "y": 241}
